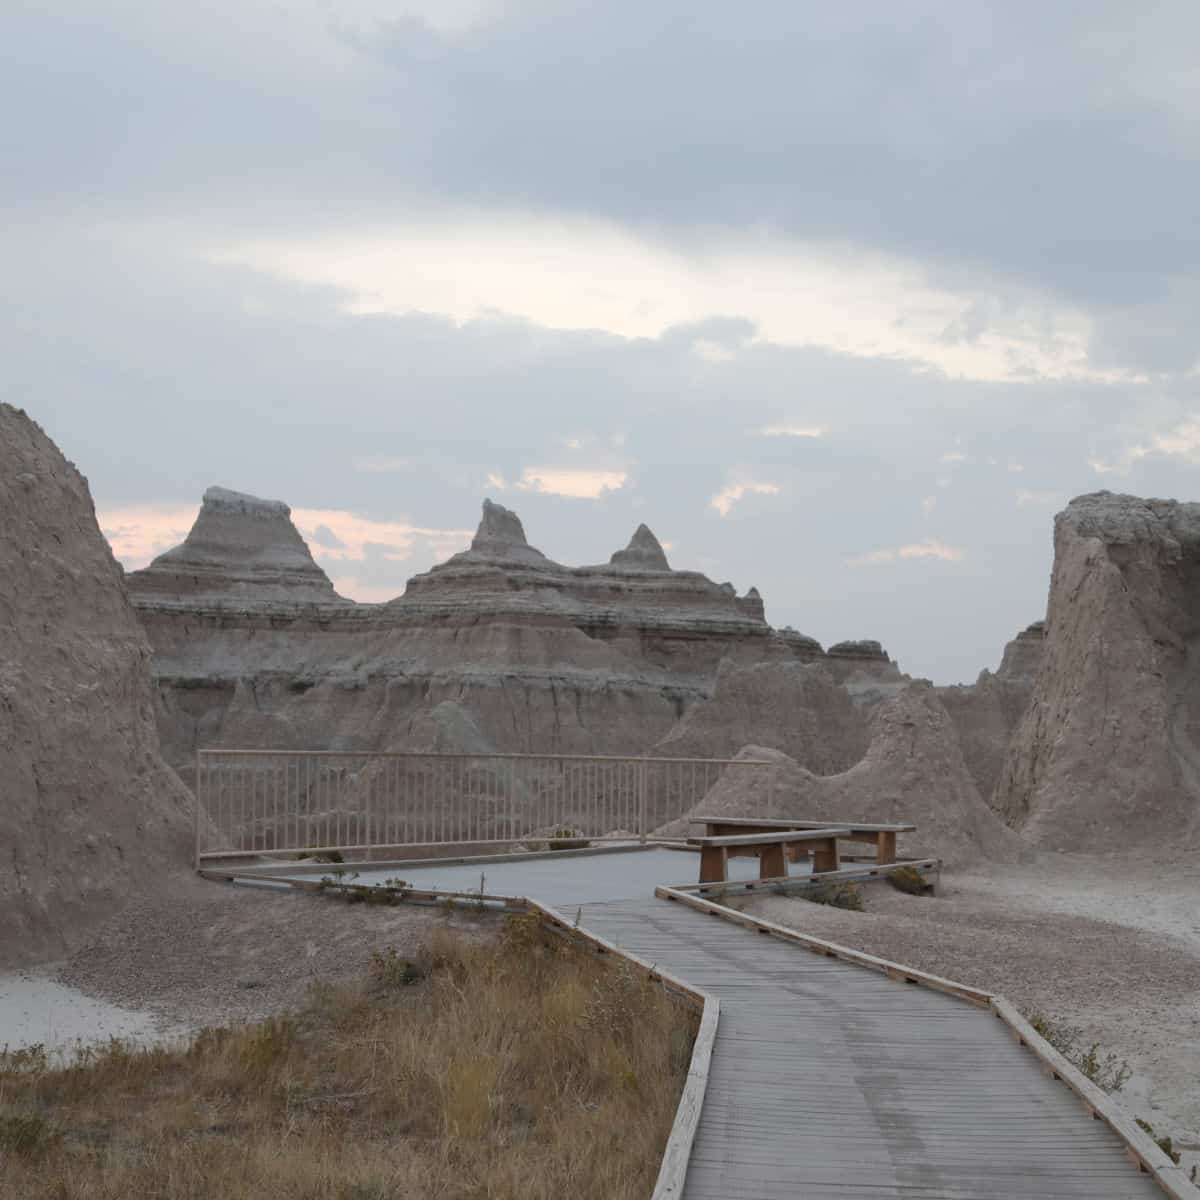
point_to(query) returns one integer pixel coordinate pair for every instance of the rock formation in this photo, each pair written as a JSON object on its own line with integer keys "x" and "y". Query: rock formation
{"x": 987, "y": 712}
{"x": 793, "y": 707}
{"x": 242, "y": 548}
{"x": 1108, "y": 750}
{"x": 544, "y": 657}
{"x": 644, "y": 552}
{"x": 88, "y": 807}
{"x": 913, "y": 772}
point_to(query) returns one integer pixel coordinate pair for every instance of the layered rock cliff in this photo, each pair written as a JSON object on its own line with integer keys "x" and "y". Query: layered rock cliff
{"x": 544, "y": 657}
{"x": 240, "y": 548}
{"x": 88, "y": 809}
{"x": 1108, "y": 750}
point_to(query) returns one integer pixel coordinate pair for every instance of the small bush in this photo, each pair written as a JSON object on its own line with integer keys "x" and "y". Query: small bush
{"x": 390, "y": 970}
{"x": 910, "y": 881}
{"x": 1163, "y": 1143}
{"x": 836, "y": 895}
{"x": 1104, "y": 1070}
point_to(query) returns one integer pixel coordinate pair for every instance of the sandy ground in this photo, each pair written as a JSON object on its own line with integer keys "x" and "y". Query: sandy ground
{"x": 1110, "y": 945}
{"x": 195, "y": 953}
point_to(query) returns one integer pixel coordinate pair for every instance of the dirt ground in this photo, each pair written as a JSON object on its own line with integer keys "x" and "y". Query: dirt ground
{"x": 1108, "y": 945}
{"x": 195, "y": 953}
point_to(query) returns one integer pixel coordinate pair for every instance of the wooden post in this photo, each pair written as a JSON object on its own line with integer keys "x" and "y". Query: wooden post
{"x": 713, "y": 863}
{"x": 825, "y": 855}
{"x": 772, "y": 862}
{"x": 885, "y": 847}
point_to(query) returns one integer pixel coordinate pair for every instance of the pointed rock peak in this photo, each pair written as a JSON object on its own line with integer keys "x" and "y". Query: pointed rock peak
{"x": 644, "y": 551}
{"x": 752, "y": 594}
{"x": 499, "y": 524}
{"x": 501, "y": 534}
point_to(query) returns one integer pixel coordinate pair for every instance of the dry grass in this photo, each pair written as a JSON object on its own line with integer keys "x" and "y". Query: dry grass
{"x": 515, "y": 1068}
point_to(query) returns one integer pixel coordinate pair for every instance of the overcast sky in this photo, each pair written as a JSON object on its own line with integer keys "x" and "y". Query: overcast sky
{"x": 843, "y": 300}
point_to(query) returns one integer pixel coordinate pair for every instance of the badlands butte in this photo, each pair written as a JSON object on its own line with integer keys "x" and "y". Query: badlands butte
{"x": 501, "y": 648}
{"x": 1062, "y": 789}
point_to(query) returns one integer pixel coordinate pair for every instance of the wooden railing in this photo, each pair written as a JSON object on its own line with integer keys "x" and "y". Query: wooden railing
{"x": 265, "y": 802}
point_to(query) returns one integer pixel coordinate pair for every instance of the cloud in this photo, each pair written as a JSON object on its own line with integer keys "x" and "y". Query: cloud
{"x": 575, "y": 273}
{"x": 140, "y": 532}
{"x": 928, "y": 503}
{"x": 1182, "y": 441}
{"x": 1016, "y": 468}
{"x": 337, "y": 536}
{"x": 383, "y": 465}
{"x": 324, "y": 536}
{"x": 1026, "y": 497}
{"x": 952, "y": 456}
{"x": 576, "y": 483}
{"x": 796, "y": 431}
{"x": 928, "y": 548}
{"x": 724, "y": 500}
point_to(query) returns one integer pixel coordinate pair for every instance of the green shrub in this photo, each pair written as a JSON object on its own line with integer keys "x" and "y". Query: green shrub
{"x": 1104, "y": 1070}
{"x": 1163, "y": 1143}
{"x": 390, "y": 970}
{"x": 911, "y": 881}
{"x": 837, "y": 895}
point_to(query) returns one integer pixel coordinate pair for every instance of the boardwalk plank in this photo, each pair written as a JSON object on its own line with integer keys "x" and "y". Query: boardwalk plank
{"x": 831, "y": 1080}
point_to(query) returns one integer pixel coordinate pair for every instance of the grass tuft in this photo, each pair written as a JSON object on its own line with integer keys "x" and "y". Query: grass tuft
{"x": 1106, "y": 1071}
{"x": 911, "y": 881}
{"x": 837, "y": 895}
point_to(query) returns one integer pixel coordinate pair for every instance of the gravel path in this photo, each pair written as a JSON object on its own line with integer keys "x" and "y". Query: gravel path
{"x": 195, "y": 952}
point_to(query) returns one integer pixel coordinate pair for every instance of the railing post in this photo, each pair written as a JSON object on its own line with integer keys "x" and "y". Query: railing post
{"x": 642, "y": 778}
{"x": 198, "y": 802}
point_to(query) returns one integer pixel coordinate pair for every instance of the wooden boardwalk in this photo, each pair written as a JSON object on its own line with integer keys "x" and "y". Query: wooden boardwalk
{"x": 832, "y": 1082}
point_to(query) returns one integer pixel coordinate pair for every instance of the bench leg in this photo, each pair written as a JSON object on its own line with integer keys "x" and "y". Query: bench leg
{"x": 713, "y": 863}
{"x": 772, "y": 863}
{"x": 825, "y": 855}
{"x": 885, "y": 847}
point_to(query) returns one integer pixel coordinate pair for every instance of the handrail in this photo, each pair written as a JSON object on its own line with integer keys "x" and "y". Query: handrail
{"x": 623, "y": 758}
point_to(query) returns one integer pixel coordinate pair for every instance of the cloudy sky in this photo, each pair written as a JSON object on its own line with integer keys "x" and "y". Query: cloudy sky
{"x": 844, "y": 301}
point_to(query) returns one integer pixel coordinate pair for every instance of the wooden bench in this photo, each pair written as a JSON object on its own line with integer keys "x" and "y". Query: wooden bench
{"x": 770, "y": 849}
{"x": 882, "y": 837}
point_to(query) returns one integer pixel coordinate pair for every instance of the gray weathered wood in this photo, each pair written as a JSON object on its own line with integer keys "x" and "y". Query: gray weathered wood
{"x": 830, "y": 1081}
{"x": 768, "y": 839}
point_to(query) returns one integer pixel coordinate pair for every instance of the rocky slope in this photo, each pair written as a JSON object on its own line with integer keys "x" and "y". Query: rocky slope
{"x": 88, "y": 806}
{"x": 1108, "y": 750}
{"x": 987, "y": 712}
{"x": 913, "y": 772}
{"x": 544, "y": 657}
